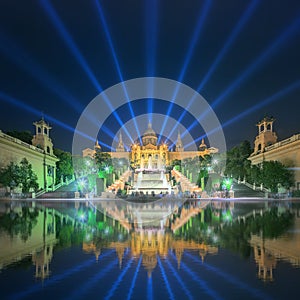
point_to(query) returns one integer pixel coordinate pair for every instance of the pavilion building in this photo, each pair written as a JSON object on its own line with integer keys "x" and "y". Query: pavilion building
{"x": 267, "y": 148}
{"x": 39, "y": 154}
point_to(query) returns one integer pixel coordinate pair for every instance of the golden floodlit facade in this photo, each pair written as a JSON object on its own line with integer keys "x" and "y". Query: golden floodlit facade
{"x": 151, "y": 155}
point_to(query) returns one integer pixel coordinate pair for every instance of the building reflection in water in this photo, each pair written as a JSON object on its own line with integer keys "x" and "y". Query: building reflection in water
{"x": 34, "y": 234}
{"x": 267, "y": 251}
{"x": 150, "y": 243}
{"x": 181, "y": 231}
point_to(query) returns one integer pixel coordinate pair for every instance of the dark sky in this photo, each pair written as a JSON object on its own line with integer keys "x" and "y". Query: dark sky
{"x": 55, "y": 57}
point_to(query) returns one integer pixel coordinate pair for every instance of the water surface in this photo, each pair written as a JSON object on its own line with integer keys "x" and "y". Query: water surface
{"x": 220, "y": 250}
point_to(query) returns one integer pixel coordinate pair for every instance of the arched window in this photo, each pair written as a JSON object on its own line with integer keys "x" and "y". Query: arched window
{"x": 45, "y": 131}
{"x": 269, "y": 127}
{"x": 48, "y": 149}
{"x": 262, "y": 128}
{"x": 39, "y": 130}
{"x": 259, "y": 148}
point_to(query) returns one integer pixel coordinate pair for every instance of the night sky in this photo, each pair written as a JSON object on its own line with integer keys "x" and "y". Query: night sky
{"x": 243, "y": 57}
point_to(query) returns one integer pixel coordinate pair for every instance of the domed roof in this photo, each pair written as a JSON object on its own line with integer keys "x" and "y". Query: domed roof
{"x": 149, "y": 131}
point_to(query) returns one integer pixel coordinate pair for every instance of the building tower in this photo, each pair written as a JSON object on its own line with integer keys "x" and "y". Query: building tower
{"x": 41, "y": 138}
{"x": 266, "y": 136}
{"x": 179, "y": 145}
{"x": 120, "y": 147}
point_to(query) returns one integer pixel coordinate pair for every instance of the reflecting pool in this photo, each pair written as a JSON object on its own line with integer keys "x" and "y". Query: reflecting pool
{"x": 175, "y": 250}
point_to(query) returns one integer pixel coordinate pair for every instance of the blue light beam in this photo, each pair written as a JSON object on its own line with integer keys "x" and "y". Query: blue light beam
{"x": 242, "y": 21}
{"x": 201, "y": 19}
{"x": 117, "y": 65}
{"x": 21, "y": 58}
{"x": 196, "y": 278}
{"x": 149, "y": 289}
{"x": 258, "y": 62}
{"x": 83, "y": 288}
{"x": 70, "y": 42}
{"x": 134, "y": 279}
{"x": 117, "y": 282}
{"x": 180, "y": 280}
{"x": 64, "y": 34}
{"x": 292, "y": 87}
{"x": 235, "y": 281}
{"x": 163, "y": 273}
{"x": 58, "y": 278}
{"x": 151, "y": 11}
{"x": 36, "y": 112}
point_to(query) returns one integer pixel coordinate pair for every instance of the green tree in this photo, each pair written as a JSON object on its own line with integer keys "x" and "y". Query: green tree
{"x": 274, "y": 173}
{"x": 254, "y": 175}
{"x": 10, "y": 176}
{"x": 20, "y": 224}
{"x": 28, "y": 179}
{"x": 237, "y": 163}
{"x": 103, "y": 160}
{"x": 64, "y": 165}
{"x": 25, "y": 136}
{"x": 176, "y": 163}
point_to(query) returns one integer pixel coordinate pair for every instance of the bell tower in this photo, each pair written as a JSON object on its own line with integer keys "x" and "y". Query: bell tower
{"x": 266, "y": 136}
{"x": 41, "y": 138}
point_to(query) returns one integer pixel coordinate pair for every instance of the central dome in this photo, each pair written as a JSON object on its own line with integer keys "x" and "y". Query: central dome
{"x": 149, "y": 131}
{"x": 149, "y": 136}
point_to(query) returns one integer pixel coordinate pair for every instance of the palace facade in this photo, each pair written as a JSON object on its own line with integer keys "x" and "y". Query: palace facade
{"x": 267, "y": 148}
{"x": 39, "y": 154}
{"x": 151, "y": 155}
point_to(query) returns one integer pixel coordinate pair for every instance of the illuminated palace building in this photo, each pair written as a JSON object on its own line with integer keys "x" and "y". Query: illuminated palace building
{"x": 149, "y": 160}
{"x": 151, "y": 155}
